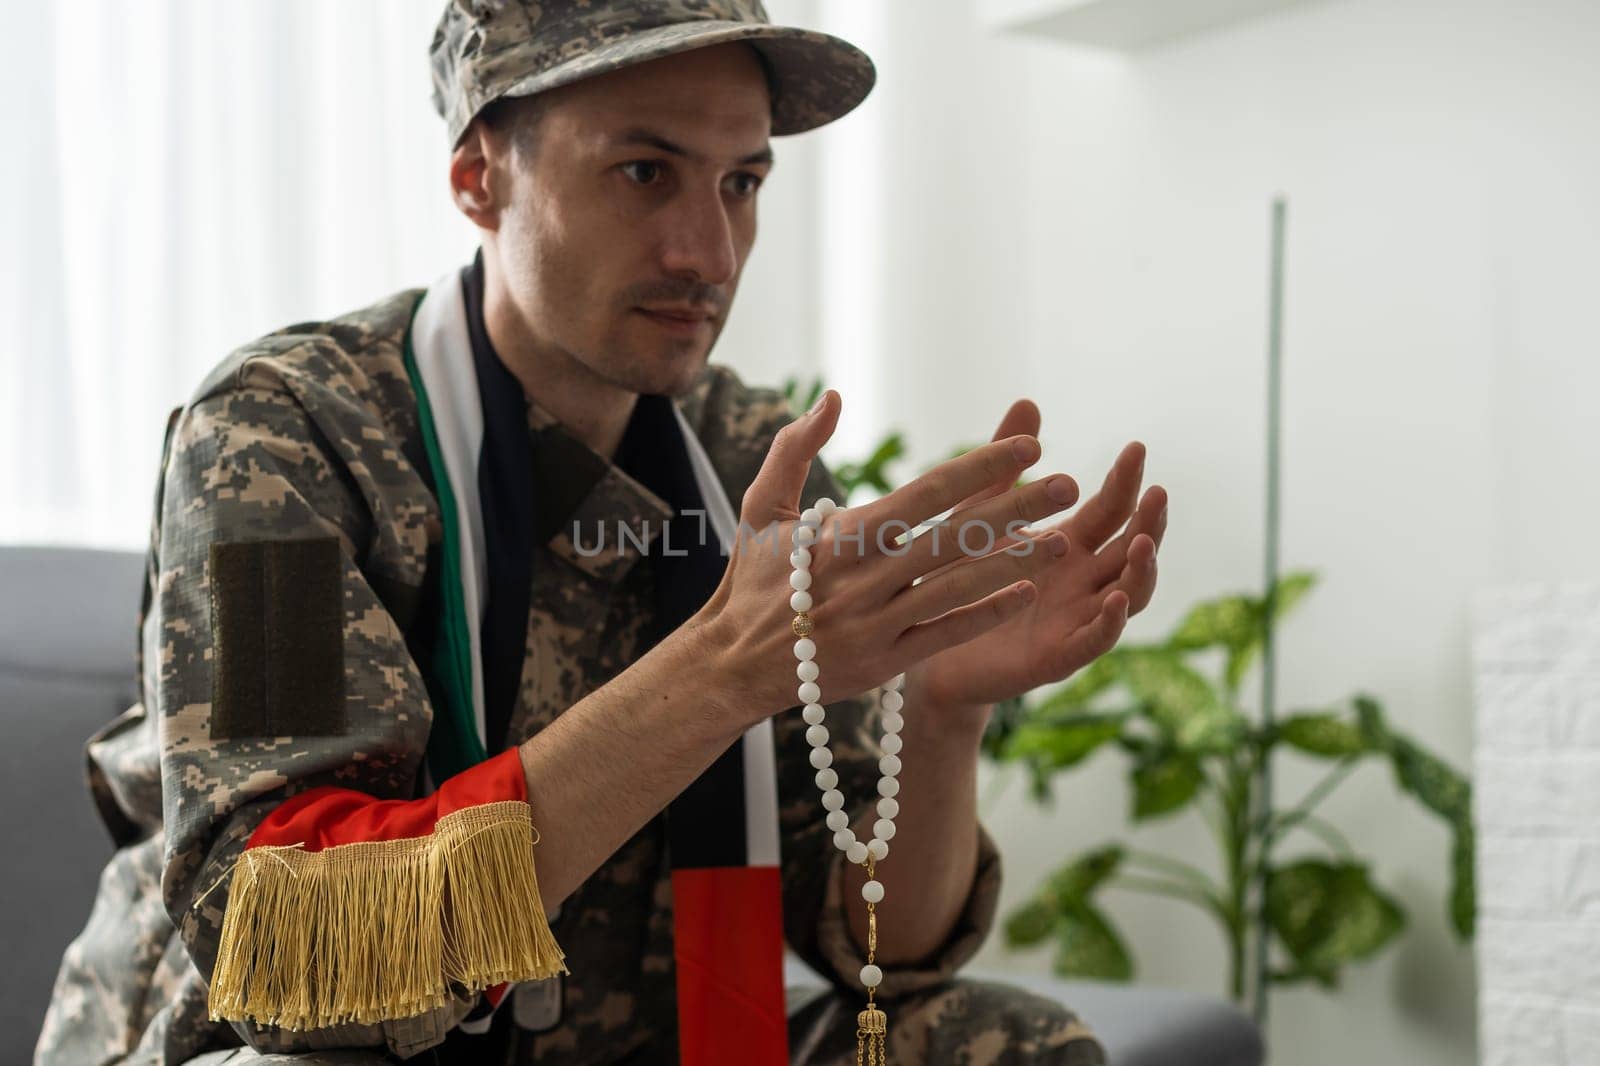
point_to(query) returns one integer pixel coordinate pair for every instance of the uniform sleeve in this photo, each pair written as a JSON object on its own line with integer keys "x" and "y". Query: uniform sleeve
{"x": 325, "y": 904}
{"x": 814, "y": 920}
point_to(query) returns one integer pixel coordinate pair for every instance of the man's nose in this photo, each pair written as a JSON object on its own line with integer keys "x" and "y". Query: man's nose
{"x": 700, "y": 240}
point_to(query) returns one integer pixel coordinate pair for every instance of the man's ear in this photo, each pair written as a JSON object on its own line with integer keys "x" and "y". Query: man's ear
{"x": 473, "y": 182}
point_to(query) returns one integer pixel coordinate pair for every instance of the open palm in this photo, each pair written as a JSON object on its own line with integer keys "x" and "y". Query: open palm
{"x": 1084, "y": 598}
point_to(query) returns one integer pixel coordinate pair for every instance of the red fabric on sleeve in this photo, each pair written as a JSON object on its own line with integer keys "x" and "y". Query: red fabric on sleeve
{"x": 329, "y": 816}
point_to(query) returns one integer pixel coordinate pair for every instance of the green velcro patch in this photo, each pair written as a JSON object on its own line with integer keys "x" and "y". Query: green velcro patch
{"x": 278, "y": 639}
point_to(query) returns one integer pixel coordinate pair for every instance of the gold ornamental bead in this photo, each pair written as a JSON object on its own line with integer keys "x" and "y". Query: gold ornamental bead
{"x": 872, "y": 1022}
{"x": 802, "y": 625}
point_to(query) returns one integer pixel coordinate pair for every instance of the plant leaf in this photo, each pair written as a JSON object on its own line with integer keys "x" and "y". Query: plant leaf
{"x": 1229, "y": 622}
{"x": 1435, "y": 784}
{"x": 889, "y": 449}
{"x": 1238, "y": 663}
{"x": 1374, "y": 727}
{"x": 852, "y": 476}
{"x": 1328, "y": 914}
{"x": 997, "y": 737}
{"x": 1008, "y": 717}
{"x": 1235, "y": 622}
{"x": 800, "y": 402}
{"x": 1031, "y": 923}
{"x": 1463, "y": 892}
{"x": 1447, "y": 793}
{"x": 1073, "y": 697}
{"x": 1290, "y": 590}
{"x": 1068, "y": 887}
{"x": 1443, "y": 790}
{"x": 1323, "y": 733}
{"x": 1088, "y": 946}
{"x": 1060, "y": 744}
{"x": 1039, "y": 784}
{"x": 1078, "y": 879}
{"x": 1181, "y": 702}
{"x": 1165, "y": 784}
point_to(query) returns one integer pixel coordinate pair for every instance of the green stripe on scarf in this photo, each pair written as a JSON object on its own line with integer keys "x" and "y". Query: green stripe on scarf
{"x": 453, "y": 742}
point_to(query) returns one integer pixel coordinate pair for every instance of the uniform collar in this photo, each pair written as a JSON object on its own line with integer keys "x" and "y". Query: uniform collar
{"x": 586, "y": 509}
{"x": 592, "y": 513}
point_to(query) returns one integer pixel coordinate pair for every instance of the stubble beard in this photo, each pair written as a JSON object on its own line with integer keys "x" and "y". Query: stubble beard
{"x": 669, "y": 367}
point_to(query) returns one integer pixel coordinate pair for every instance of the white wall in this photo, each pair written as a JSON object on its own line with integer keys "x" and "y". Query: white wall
{"x": 1091, "y": 231}
{"x": 1536, "y": 660}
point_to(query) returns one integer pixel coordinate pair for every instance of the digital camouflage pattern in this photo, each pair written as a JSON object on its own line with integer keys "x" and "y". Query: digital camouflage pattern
{"x": 312, "y": 432}
{"x": 953, "y": 1023}
{"x": 485, "y": 49}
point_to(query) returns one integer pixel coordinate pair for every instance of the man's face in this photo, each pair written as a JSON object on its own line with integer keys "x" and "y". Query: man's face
{"x": 626, "y": 227}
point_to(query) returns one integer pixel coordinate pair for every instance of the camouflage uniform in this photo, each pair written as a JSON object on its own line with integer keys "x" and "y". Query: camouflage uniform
{"x": 312, "y": 432}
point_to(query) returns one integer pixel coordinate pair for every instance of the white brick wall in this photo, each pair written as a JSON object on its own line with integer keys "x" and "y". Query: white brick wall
{"x": 1536, "y": 682}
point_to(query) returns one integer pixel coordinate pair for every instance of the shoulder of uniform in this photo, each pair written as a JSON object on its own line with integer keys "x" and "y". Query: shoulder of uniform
{"x": 359, "y": 356}
{"x": 736, "y": 422}
{"x": 722, "y": 406}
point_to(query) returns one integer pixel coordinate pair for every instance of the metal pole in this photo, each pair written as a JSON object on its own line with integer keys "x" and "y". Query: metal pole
{"x": 1269, "y": 660}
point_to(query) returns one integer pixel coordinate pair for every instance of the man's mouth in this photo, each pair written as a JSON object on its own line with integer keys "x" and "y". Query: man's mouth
{"x": 684, "y": 321}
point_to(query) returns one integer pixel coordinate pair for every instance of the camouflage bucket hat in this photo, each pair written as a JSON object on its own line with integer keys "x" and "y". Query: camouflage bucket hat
{"x": 487, "y": 49}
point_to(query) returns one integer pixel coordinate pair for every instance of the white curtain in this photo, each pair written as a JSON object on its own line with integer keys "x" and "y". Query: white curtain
{"x": 191, "y": 175}
{"x": 187, "y": 175}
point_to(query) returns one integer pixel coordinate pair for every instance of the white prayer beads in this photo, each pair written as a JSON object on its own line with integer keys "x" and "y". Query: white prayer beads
{"x": 891, "y": 701}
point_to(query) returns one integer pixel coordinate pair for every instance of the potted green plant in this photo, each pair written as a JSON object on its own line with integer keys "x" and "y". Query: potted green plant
{"x": 1191, "y": 750}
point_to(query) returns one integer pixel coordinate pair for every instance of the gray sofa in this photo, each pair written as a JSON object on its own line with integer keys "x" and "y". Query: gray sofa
{"x": 67, "y": 630}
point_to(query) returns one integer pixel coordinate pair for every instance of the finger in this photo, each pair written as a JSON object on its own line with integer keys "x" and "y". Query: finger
{"x": 964, "y": 623}
{"x": 1105, "y": 512}
{"x": 972, "y": 580}
{"x": 1014, "y": 540}
{"x": 1138, "y": 578}
{"x": 775, "y": 492}
{"x": 971, "y": 533}
{"x": 1073, "y": 524}
{"x": 947, "y": 484}
{"x": 1093, "y": 639}
{"x": 1020, "y": 419}
{"x": 1160, "y": 532}
{"x": 1150, "y": 519}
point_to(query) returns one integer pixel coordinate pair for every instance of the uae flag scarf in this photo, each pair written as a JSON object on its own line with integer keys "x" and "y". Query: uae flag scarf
{"x": 723, "y": 829}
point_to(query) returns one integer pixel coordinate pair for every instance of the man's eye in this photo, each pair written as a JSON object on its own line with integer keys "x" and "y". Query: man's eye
{"x": 642, "y": 173}
{"x": 745, "y": 183}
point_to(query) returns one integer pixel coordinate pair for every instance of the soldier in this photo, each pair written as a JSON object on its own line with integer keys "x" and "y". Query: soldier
{"x": 466, "y": 725}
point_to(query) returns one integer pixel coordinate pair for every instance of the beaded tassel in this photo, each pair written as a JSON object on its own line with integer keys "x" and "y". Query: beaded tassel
{"x": 872, "y": 1025}
{"x": 872, "y": 1029}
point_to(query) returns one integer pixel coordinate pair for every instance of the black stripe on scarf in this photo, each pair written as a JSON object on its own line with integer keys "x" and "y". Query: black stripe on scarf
{"x": 706, "y": 823}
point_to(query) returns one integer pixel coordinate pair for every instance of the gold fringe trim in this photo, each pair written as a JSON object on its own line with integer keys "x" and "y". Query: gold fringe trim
{"x": 377, "y": 930}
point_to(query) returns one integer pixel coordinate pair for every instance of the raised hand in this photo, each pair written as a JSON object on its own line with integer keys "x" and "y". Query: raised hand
{"x": 1085, "y": 595}
{"x": 881, "y": 606}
